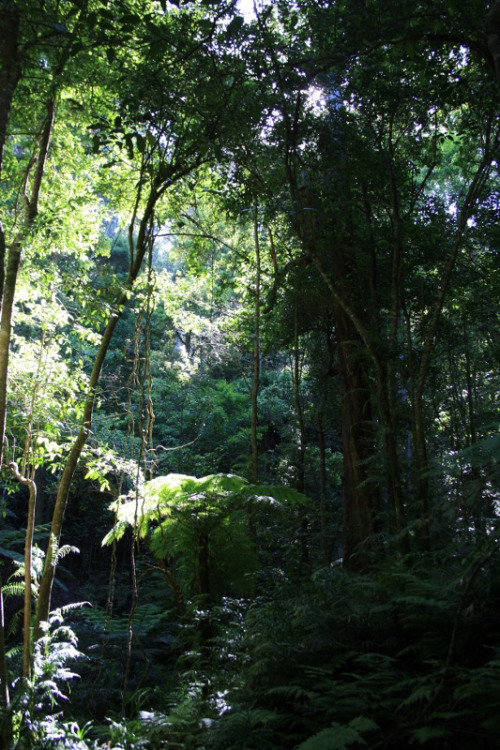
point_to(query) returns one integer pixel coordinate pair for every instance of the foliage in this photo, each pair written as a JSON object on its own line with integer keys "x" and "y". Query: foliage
{"x": 344, "y": 657}
{"x": 314, "y": 190}
{"x": 38, "y": 718}
{"x": 204, "y": 525}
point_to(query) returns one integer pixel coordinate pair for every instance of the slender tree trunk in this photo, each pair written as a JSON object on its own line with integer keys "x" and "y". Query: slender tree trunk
{"x": 477, "y": 485}
{"x": 386, "y": 374}
{"x": 256, "y": 356}
{"x": 301, "y": 458}
{"x": 204, "y": 564}
{"x": 45, "y": 593}
{"x": 174, "y": 587}
{"x": 388, "y": 418}
{"x": 325, "y": 543}
{"x": 14, "y": 259}
{"x": 28, "y": 568}
{"x": 28, "y": 575}
{"x": 5, "y": 334}
{"x": 10, "y": 73}
{"x": 296, "y": 374}
{"x": 5, "y": 718}
{"x": 10, "y": 70}
{"x": 40, "y": 479}
{"x": 8, "y": 287}
{"x": 360, "y": 492}
{"x": 473, "y": 193}
{"x": 4, "y": 679}
{"x": 361, "y": 497}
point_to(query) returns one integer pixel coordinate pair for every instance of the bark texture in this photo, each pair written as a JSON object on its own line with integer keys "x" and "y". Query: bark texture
{"x": 10, "y": 70}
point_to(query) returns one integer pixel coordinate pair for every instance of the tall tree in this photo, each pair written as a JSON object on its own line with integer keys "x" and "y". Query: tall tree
{"x": 164, "y": 106}
{"x": 361, "y": 167}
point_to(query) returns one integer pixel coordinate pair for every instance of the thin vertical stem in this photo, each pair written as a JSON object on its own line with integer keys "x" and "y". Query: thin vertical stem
{"x": 256, "y": 355}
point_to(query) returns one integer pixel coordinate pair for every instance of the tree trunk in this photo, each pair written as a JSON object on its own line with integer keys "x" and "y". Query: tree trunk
{"x": 40, "y": 481}
{"x": 5, "y": 722}
{"x": 28, "y": 573}
{"x": 301, "y": 458}
{"x": 360, "y": 493}
{"x": 475, "y": 474}
{"x": 386, "y": 370}
{"x": 256, "y": 357}
{"x": 387, "y": 411}
{"x": 204, "y": 564}
{"x": 296, "y": 373}
{"x": 10, "y": 67}
{"x": 4, "y": 682}
{"x": 174, "y": 587}
{"x": 13, "y": 261}
{"x": 325, "y": 542}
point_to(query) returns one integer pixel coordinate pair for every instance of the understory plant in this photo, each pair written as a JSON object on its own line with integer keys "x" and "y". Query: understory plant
{"x": 405, "y": 656}
{"x": 38, "y": 703}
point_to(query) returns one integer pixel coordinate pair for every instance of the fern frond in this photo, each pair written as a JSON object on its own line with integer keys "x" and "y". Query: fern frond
{"x": 340, "y": 737}
{"x": 14, "y": 652}
{"x": 74, "y": 606}
{"x": 16, "y": 588}
{"x": 66, "y": 549}
{"x": 116, "y": 533}
{"x": 15, "y": 623}
{"x": 422, "y": 690}
{"x": 423, "y": 734}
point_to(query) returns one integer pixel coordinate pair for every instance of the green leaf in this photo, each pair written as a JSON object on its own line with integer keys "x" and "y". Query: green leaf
{"x": 150, "y": 138}
{"x": 205, "y": 25}
{"x": 129, "y": 144}
{"x": 363, "y": 724}
{"x": 235, "y": 25}
{"x": 339, "y": 737}
{"x": 181, "y": 486}
{"x": 141, "y": 143}
{"x": 277, "y": 493}
{"x": 423, "y": 734}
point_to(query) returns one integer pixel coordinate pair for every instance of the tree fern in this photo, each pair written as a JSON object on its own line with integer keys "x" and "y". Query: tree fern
{"x": 204, "y": 525}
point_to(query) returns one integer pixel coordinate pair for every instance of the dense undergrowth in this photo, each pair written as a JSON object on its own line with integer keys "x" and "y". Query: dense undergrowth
{"x": 404, "y": 656}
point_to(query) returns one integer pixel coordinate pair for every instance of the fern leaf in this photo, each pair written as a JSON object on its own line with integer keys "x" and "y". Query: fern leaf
{"x": 115, "y": 534}
{"x": 66, "y": 549}
{"x": 333, "y": 738}
{"x": 16, "y": 588}
{"x": 423, "y": 692}
{"x": 423, "y": 734}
